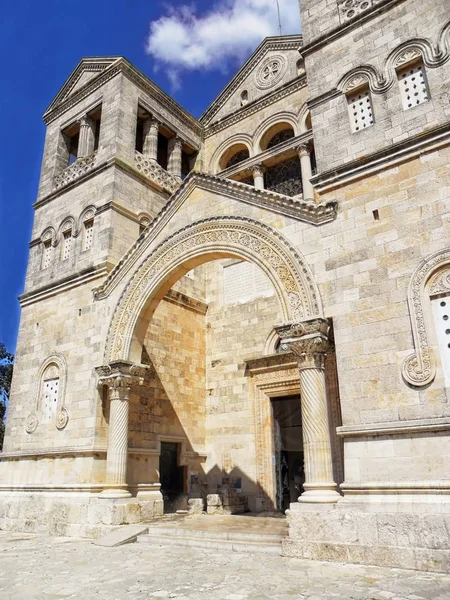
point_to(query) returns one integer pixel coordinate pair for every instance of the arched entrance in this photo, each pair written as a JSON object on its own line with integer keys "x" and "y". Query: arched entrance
{"x": 166, "y": 263}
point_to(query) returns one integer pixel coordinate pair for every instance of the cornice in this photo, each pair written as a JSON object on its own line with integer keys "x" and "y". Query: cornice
{"x": 348, "y": 26}
{"x": 266, "y": 155}
{"x": 395, "y": 428}
{"x": 422, "y": 143}
{"x": 291, "y": 42}
{"x": 307, "y": 211}
{"x": 185, "y": 301}
{"x": 67, "y": 283}
{"x": 269, "y": 362}
{"x": 256, "y": 106}
{"x": 121, "y": 65}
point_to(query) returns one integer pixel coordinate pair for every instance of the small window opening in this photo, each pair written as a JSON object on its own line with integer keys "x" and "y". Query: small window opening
{"x": 47, "y": 254}
{"x": 142, "y": 117}
{"x": 67, "y": 244}
{"x": 360, "y": 110}
{"x": 88, "y": 234}
{"x": 413, "y": 85}
{"x": 376, "y": 214}
{"x": 163, "y": 151}
{"x": 244, "y": 97}
{"x": 50, "y": 399}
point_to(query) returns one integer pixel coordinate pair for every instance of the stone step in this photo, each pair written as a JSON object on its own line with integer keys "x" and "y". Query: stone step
{"x": 232, "y": 536}
{"x": 216, "y": 543}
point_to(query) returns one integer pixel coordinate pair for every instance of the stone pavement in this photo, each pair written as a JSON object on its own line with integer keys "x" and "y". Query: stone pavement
{"x": 33, "y": 567}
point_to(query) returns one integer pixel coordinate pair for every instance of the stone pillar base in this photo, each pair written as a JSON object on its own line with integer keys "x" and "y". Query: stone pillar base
{"x": 320, "y": 493}
{"x": 115, "y": 492}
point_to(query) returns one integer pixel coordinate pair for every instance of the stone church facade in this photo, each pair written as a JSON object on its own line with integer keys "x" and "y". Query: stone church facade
{"x": 250, "y": 309}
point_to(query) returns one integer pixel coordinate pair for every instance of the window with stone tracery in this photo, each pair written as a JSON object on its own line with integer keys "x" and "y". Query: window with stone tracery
{"x": 67, "y": 244}
{"x": 441, "y": 314}
{"x": 47, "y": 258}
{"x": 413, "y": 85}
{"x": 285, "y": 178}
{"x": 88, "y": 234}
{"x": 280, "y": 137}
{"x": 360, "y": 110}
{"x": 238, "y": 157}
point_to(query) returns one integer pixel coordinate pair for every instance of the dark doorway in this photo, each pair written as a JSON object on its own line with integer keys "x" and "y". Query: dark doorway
{"x": 171, "y": 476}
{"x": 288, "y": 442}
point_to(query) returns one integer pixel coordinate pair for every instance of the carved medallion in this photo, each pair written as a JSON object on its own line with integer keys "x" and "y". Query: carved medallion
{"x": 31, "y": 423}
{"x": 270, "y": 72}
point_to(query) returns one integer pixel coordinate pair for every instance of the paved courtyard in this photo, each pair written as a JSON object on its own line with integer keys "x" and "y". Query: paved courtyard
{"x": 49, "y": 568}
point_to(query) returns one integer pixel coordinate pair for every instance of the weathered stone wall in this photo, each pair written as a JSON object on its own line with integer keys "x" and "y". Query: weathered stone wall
{"x": 235, "y": 331}
{"x": 371, "y": 43}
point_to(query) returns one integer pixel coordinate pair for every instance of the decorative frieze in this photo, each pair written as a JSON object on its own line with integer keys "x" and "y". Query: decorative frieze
{"x": 153, "y": 171}
{"x": 79, "y": 168}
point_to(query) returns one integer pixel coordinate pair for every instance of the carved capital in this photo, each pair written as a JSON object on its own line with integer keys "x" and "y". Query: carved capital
{"x": 258, "y": 170}
{"x": 84, "y": 121}
{"x": 308, "y": 340}
{"x": 303, "y": 150}
{"x": 120, "y": 376}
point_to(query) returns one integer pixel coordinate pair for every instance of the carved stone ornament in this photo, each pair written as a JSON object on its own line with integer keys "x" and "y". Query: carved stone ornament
{"x": 153, "y": 171}
{"x": 271, "y": 71}
{"x": 52, "y": 372}
{"x": 419, "y": 368}
{"x": 121, "y": 374}
{"x": 31, "y": 423}
{"x": 303, "y": 149}
{"x": 308, "y": 340}
{"x": 292, "y": 280}
{"x": 355, "y": 83}
{"x": 348, "y": 9}
{"x": 440, "y": 282}
{"x": 75, "y": 171}
{"x": 62, "y": 418}
{"x": 258, "y": 170}
{"x": 406, "y": 57}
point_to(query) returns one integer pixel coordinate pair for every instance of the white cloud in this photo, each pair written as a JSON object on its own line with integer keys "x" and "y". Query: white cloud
{"x": 184, "y": 40}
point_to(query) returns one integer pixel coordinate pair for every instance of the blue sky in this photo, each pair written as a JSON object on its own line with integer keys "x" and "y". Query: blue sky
{"x": 190, "y": 49}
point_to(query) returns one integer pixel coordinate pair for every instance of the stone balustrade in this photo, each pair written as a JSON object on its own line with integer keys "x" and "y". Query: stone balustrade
{"x": 76, "y": 170}
{"x": 153, "y": 171}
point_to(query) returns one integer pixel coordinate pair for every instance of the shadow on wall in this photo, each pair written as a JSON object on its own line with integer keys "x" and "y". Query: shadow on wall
{"x": 163, "y": 450}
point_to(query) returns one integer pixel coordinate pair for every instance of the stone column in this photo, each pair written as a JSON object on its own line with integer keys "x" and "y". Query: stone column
{"x": 174, "y": 162}
{"x": 119, "y": 377}
{"x": 86, "y": 137}
{"x": 309, "y": 342}
{"x": 304, "y": 152}
{"x": 150, "y": 145}
{"x": 258, "y": 176}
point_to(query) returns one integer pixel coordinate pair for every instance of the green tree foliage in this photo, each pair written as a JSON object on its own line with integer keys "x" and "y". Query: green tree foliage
{"x": 6, "y": 371}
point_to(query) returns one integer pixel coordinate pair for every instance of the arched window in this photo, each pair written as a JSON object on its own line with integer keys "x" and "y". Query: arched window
{"x": 233, "y": 156}
{"x": 49, "y": 395}
{"x": 281, "y": 136}
{"x": 276, "y": 134}
{"x": 244, "y": 97}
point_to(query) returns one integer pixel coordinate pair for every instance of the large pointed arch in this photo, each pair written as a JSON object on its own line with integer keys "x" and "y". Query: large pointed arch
{"x": 196, "y": 244}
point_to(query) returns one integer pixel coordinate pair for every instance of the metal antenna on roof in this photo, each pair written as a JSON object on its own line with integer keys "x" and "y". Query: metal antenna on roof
{"x": 279, "y": 18}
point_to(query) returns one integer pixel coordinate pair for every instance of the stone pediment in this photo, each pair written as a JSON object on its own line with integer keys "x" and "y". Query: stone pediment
{"x": 86, "y": 70}
{"x": 271, "y": 66}
{"x": 306, "y": 211}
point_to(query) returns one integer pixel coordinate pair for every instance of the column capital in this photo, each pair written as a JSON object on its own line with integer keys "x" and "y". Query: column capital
{"x": 304, "y": 149}
{"x": 258, "y": 170}
{"x": 120, "y": 375}
{"x": 308, "y": 340}
{"x": 177, "y": 142}
{"x": 84, "y": 121}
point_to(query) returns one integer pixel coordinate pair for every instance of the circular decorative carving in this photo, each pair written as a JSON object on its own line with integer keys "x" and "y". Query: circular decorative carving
{"x": 51, "y": 372}
{"x": 271, "y": 71}
{"x": 31, "y": 423}
{"x": 62, "y": 418}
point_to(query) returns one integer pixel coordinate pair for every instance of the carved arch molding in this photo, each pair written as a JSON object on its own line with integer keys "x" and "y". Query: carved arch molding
{"x": 430, "y": 279}
{"x": 245, "y": 238}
